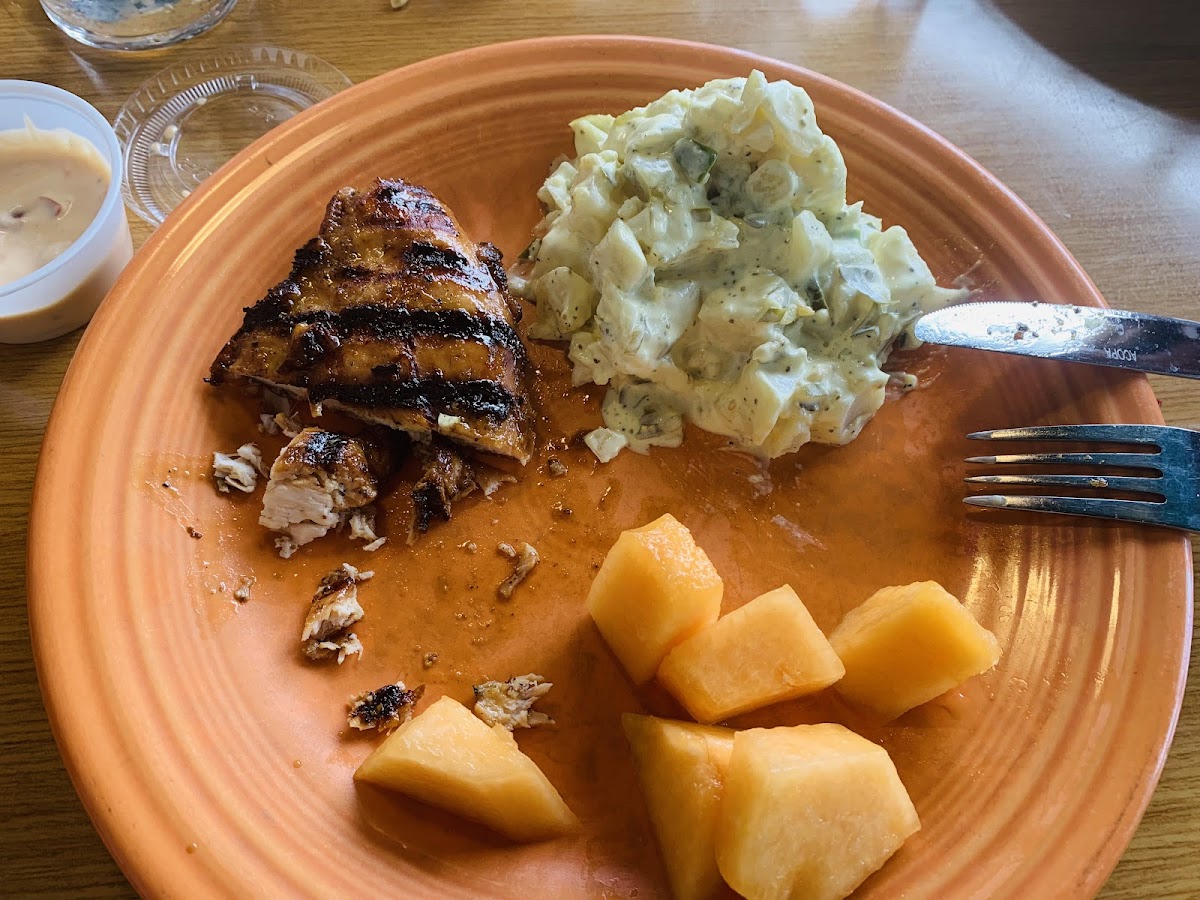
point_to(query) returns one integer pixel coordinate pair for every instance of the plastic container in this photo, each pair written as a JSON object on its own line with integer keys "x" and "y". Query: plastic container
{"x": 64, "y": 293}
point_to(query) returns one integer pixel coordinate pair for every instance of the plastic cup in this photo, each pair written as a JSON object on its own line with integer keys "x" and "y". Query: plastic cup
{"x": 64, "y": 293}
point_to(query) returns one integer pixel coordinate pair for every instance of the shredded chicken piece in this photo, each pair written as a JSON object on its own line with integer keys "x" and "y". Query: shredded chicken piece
{"x": 384, "y": 708}
{"x": 341, "y": 647}
{"x": 556, "y": 467}
{"x": 334, "y": 609}
{"x": 362, "y": 528}
{"x": 318, "y": 480}
{"x": 448, "y": 477}
{"x": 279, "y": 415}
{"x": 239, "y": 470}
{"x": 362, "y": 525}
{"x": 289, "y": 425}
{"x": 510, "y": 703}
{"x": 524, "y": 557}
{"x": 242, "y": 594}
{"x": 491, "y": 480}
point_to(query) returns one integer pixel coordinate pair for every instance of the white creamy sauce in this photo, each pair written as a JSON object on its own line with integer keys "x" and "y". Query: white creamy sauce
{"x": 700, "y": 257}
{"x": 52, "y": 185}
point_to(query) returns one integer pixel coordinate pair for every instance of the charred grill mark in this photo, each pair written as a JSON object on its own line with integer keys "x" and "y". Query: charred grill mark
{"x": 423, "y": 257}
{"x": 403, "y": 195}
{"x": 274, "y": 307}
{"x": 310, "y": 256}
{"x": 493, "y": 261}
{"x": 378, "y": 448}
{"x": 320, "y": 449}
{"x": 311, "y": 342}
{"x": 411, "y": 205}
{"x": 392, "y": 324}
{"x": 428, "y": 500}
{"x": 431, "y": 394}
{"x": 432, "y": 264}
{"x": 392, "y": 371}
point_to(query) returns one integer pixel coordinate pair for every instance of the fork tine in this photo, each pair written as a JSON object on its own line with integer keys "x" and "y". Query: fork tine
{"x": 1129, "y": 510}
{"x": 1115, "y": 434}
{"x": 1109, "y": 482}
{"x": 1124, "y": 460}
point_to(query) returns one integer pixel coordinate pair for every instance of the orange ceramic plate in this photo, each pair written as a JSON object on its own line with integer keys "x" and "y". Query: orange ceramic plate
{"x": 214, "y": 760}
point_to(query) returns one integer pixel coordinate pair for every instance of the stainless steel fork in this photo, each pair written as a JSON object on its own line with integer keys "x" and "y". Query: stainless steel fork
{"x": 1169, "y": 458}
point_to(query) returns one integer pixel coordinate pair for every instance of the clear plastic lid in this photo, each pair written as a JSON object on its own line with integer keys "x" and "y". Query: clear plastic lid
{"x": 188, "y": 120}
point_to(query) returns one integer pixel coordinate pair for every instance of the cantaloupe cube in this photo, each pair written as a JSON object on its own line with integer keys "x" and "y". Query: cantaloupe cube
{"x": 907, "y": 645}
{"x": 808, "y": 813}
{"x": 448, "y": 758}
{"x": 767, "y": 651}
{"x": 681, "y": 768}
{"x": 654, "y": 589}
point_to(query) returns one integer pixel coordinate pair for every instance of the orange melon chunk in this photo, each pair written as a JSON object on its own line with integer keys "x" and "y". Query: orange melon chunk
{"x": 767, "y": 651}
{"x": 448, "y": 758}
{"x": 808, "y": 813}
{"x": 681, "y": 768}
{"x": 907, "y": 645}
{"x": 654, "y": 589}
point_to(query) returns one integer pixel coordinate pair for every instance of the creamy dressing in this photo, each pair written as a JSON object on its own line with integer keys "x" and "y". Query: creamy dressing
{"x": 52, "y": 185}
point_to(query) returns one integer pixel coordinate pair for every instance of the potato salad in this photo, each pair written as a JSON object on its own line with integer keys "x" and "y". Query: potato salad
{"x": 700, "y": 258}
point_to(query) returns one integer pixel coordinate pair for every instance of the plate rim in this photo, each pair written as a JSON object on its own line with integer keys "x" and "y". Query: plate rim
{"x": 70, "y": 737}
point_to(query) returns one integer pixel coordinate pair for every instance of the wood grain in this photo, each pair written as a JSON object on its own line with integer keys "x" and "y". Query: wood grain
{"x": 1088, "y": 112}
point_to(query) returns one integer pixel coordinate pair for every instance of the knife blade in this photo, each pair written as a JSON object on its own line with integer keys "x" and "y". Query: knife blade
{"x": 1086, "y": 334}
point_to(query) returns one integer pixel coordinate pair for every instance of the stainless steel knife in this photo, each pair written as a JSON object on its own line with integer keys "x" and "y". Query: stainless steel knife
{"x": 1087, "y": 334}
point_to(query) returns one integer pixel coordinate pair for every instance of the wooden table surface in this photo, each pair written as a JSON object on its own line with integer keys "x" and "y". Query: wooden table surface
{"x": 1089, "y": 111}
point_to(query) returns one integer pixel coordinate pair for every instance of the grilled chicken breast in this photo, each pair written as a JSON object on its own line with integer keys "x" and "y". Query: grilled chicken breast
{"x": 393, "y": 315}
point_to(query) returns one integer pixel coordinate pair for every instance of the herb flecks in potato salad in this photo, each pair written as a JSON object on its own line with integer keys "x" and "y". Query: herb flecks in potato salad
{"x": 700, "y": 257}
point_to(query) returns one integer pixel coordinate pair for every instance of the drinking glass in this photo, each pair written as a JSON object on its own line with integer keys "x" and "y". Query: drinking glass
{"x": 135, "y": 24}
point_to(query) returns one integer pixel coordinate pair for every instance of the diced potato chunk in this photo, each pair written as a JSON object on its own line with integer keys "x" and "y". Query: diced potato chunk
{"x": 618, "y": 259}
{"x": 907, "y": 645}
{"x": 448, "y": 758}
{"x": 681, "y": 768}
{"x": 654, "y": 589}
{"x": 767, "y": 651}
{"x": 808, "y": 813}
